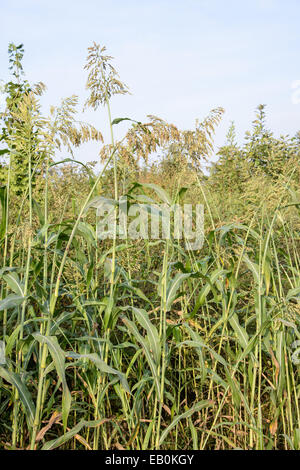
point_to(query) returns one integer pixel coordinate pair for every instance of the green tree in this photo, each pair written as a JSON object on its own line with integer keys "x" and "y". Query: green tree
{"x": 230, "y": 170}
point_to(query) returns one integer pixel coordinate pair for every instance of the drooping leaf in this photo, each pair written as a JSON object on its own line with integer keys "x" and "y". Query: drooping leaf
{"x": 152, "y": 333}
{"x": 118, "y": 120}
{"x": 53, "y": 444}
{"x": 145, "y": 344}
{"x": 58, "y": 357}
{"x": 172, "y": 288}
{"x": 199, "y": 406}
{"x": 3, "y": 201}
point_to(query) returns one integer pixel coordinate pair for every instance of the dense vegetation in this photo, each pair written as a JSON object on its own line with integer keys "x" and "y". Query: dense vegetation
{"x": 143, "y": 344}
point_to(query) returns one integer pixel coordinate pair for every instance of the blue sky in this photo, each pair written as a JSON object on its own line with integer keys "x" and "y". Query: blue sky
{"x": 179, "y": 58}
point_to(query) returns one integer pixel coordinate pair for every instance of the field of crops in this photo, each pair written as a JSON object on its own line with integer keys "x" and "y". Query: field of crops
{"x": 145, "y": 344}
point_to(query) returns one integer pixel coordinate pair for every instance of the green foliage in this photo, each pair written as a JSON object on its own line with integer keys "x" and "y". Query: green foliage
{"x": 230, "y": 168}
{"x": 19, "y": 132}
{"x": 263, "y": 151}
{"x": 146, "y": 345}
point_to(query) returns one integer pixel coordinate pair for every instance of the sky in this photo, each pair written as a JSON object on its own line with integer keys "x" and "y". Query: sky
{"x": 179, "y": 58}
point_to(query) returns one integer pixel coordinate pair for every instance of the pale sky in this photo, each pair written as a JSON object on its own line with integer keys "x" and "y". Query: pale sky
{"x": 179, "y": 58}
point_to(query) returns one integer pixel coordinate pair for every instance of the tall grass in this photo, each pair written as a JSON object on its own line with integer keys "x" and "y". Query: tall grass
{"x": 147, "y": 345}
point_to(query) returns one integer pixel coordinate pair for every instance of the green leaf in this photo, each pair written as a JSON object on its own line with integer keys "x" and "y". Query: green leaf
{"x": 199, "y": 406}
{"x": 2, "y": 353}
{"x": 293, "y": 294}
{"x": 71, "y": 160}
{"x": 3, "y": 201}
{"x": 11, "y": 301}
{"x": 39, "y": 212}
{"x": 140, "y": 339}
{"x": 70, "y": 434}
{"x": 240, "y": 332}
{"x": 161, "y": 193}
{"x": 152, "y": 333}
{"x": 102, "y": 366}
{"x": 173, "y": 287}
{"x": 118, "y": 120}
{"x": 206, "y": 289}
{"x": 63, "y": 439}
{"x": 15, "y": 380}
